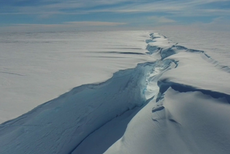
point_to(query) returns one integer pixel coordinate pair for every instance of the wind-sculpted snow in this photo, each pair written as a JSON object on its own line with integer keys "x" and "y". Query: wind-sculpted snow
{"x": 177, "y": 102}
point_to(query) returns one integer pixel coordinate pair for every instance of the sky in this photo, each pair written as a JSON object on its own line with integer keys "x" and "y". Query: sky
{"x": 113, "y": 14}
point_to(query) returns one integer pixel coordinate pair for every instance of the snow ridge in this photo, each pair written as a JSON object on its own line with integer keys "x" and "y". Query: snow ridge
{"x": 184, "y": 118}
{"x": 161, "y": 45}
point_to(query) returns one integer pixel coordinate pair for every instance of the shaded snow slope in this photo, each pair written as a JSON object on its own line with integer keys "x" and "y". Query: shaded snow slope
{"x": 176, "y": 101}
{"x": 60, "y": 125}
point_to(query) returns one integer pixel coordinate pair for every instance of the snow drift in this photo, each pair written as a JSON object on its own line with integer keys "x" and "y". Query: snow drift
{"x": 177, "y": 102}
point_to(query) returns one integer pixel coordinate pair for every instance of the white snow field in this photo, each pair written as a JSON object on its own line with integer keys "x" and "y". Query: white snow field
{"x": 163, "y": 98}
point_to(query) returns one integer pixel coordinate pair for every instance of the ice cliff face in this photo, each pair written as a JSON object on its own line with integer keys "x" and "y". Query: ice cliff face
{"x": 174, "y": 103}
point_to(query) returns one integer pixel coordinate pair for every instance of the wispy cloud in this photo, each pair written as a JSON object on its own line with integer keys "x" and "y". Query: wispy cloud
{"x": 188, "y": 7}
{"x": 161, "y": 20}
{"x": 177, "y": 8}
{"x": 217, "y": 11}
{"x": 95, "y": 23}
{"x": 127, "y": 6}
{"x": 114, "y": 12}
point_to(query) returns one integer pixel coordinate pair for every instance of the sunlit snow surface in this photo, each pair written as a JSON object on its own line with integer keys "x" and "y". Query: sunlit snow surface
{"x": 163, "y": 97}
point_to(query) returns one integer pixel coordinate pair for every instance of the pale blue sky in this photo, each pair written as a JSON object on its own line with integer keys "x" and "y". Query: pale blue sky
{"x": 114, "y": 13}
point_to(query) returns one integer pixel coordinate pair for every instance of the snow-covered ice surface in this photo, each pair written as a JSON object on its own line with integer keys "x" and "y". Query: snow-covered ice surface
{"x": 163, "y": 97}
{"x": 37, "y": 67}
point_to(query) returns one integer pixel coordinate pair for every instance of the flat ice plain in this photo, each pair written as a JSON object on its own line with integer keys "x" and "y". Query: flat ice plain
{"x": 120, "y": 92}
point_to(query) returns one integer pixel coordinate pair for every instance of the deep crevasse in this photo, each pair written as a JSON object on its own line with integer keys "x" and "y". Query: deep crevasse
{"x": 73, "y": 122}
